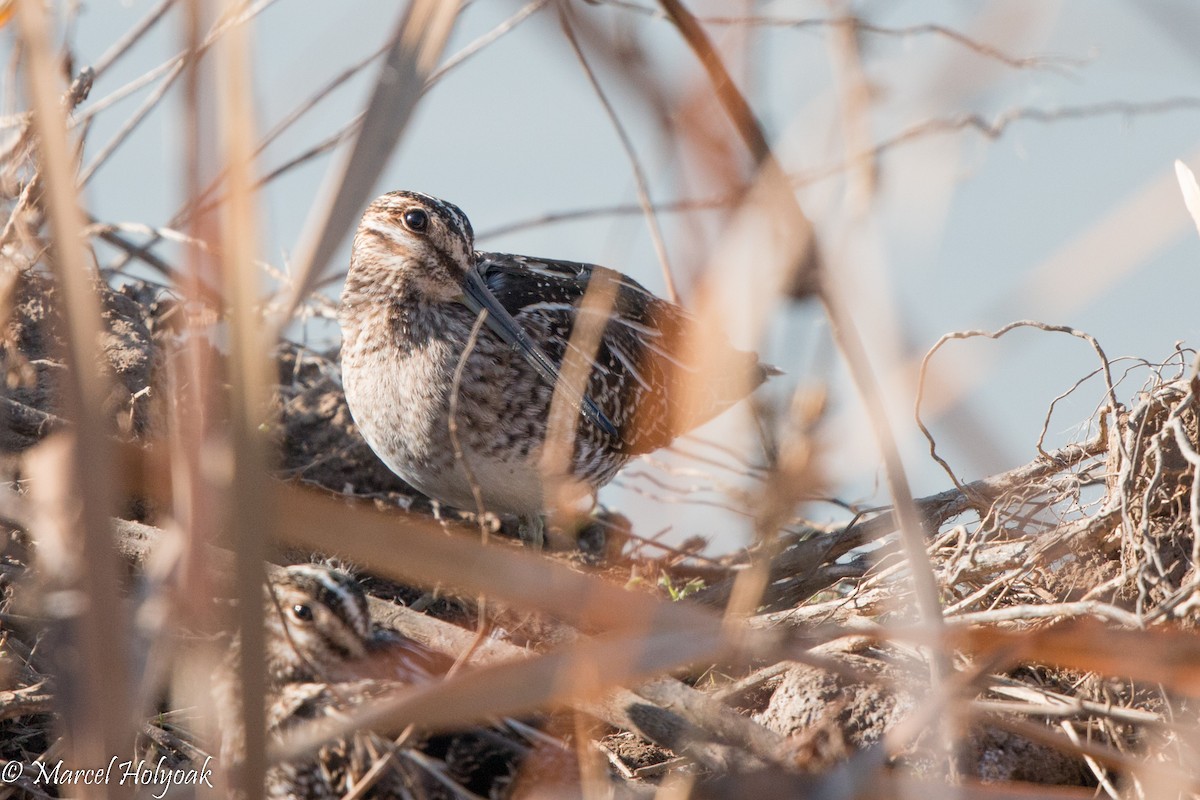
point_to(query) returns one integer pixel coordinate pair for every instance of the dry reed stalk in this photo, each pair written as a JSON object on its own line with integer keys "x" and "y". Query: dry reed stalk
{"x": 244, "y": 481}
{"x": 561, "y": 490}
{"x": 99, "y": 724}
{"x": 424, "y": 29}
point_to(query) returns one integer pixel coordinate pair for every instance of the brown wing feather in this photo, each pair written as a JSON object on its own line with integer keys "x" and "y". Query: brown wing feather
{"x": 643, "y": 377}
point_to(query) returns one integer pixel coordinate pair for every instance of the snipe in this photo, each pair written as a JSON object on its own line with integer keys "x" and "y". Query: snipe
{"x": 319, "y": 643}
{"x": 415, "y": 289}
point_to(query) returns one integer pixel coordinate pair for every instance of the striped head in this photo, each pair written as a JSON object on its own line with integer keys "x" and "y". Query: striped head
{"x": 414, "y": 240}
{"x": 316, "y": 622}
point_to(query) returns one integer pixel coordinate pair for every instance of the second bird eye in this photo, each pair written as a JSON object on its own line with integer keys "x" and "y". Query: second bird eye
{"x": 416, "y": 220}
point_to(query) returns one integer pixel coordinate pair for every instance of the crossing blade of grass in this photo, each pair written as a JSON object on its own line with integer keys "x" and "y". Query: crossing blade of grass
{"x": 581, "y": 671}
{"x": 424, "y": 31}
{"x": 418, "y": 550}
{"x": 1169, "y": 657}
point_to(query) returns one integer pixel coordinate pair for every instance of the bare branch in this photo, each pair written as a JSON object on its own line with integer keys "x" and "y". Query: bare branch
{"x": 1044, "y": 62}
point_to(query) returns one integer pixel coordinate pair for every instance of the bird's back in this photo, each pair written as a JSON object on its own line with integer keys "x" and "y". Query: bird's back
{"x": 648, "y": 375}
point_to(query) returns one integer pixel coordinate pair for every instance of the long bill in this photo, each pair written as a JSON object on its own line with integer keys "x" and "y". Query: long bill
{"x": 477, "y": 297}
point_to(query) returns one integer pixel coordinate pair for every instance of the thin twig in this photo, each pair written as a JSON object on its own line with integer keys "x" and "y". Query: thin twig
{"x": 639, "y": 174}
{"x": 460, "y": 456}
{"x": 178, "y": 65}
{"x": 1113, "y": 407}
{"x": 131, "y": 37}
{"x": 476, "y": 494}
{"x": 1045, "y": 62}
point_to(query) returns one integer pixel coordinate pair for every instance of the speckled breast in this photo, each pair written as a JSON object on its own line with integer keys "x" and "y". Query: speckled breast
{"x": 399, "y": 391}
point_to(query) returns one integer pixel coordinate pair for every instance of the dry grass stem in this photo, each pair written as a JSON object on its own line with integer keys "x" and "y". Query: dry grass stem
{"x": 424, "y": 29}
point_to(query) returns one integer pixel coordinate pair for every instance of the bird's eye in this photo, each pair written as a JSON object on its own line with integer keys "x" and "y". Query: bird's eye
{"x": 302, "y": 612}
{"x": 416, "y": 220}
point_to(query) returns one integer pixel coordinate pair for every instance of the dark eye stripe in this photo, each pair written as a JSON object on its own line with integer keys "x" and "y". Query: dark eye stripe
{"x": 338, "y": 592}
{"x": 343, "y": 652}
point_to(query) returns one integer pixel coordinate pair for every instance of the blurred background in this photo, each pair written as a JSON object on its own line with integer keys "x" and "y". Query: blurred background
{"x": 965, "y": 165}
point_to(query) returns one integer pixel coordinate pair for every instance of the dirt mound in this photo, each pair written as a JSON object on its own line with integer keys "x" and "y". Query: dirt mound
{"x": 31, "y": 354}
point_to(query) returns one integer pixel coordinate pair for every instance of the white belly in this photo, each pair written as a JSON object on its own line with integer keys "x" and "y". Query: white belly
{"x": 411, "y": 436}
